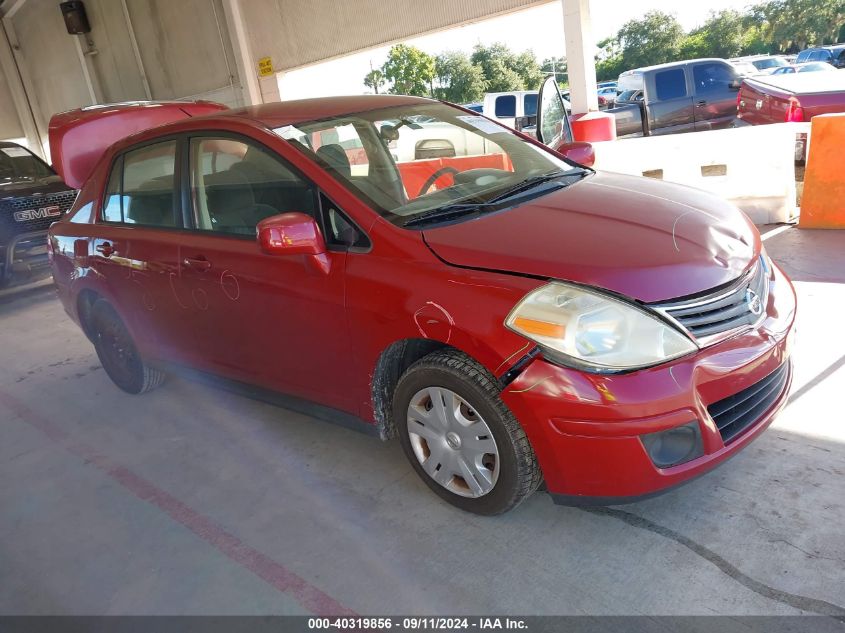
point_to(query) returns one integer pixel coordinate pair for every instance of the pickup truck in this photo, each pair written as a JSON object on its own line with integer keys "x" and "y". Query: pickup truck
{"x": 698, "y": 94}
{"x": 514, "y": 109}
{"x": 787, "y": 98}
{"x": 32, "y": 197}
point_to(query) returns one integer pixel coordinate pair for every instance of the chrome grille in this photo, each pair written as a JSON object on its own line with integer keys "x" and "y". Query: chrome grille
{"x": 709, "y": 317}
{"x": 9, "y": 226}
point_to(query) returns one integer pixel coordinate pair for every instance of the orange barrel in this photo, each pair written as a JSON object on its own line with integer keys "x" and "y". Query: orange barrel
{"x": 823, "y": 202}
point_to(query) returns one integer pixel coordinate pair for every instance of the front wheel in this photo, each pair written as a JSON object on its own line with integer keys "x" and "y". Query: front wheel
{"x": 460, "y": 437}
{"x": 118, "y": 353}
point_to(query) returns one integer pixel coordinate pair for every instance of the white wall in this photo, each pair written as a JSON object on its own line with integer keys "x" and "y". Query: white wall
{"x": 10, "y": 125}
{"x": 180, "y": 49}
{"x": 752, "y": 166}
{"x": 297, "y": 33}
{"x": 183, "y": 51}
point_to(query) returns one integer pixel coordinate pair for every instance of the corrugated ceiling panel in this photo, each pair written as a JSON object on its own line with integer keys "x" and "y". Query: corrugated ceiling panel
{"x": 300, "y": 32}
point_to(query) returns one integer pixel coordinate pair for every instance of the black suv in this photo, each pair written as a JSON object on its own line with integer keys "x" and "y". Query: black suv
{"x": 32, "y": 197}
{"x": 833, "y": 55}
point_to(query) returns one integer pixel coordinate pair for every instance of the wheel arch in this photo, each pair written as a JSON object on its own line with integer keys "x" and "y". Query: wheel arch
{"x": 391, "y": 364}
{"x": 85, "y": 301}
{"x": 400, "y": 354}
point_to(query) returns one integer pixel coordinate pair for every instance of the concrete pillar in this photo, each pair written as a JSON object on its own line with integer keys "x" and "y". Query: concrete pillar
{"x": 580, "y": 56}
{"x": 247, "y": 66}
{"x": 24, "y": 103}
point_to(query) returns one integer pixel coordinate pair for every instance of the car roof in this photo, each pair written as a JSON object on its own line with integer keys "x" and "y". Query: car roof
{"x": 749, "y": 58}
{"x": 826, "y": 47}
{"x": 282, "y": 113}
{"x": 301, "y": 110}
{"x": 515, "y": 93}
{"x": 672, "y": 65}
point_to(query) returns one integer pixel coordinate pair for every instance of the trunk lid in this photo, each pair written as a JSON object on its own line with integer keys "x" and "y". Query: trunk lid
{"x": 78, "y": 138}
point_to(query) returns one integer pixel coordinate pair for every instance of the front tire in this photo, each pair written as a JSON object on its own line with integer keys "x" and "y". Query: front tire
{"x": 459, "y": 436}
{"x": 118, "y": 353}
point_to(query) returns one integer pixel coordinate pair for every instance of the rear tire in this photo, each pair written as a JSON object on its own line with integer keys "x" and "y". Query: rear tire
{"x": 119, "y": 354}
{"x": 459, "y": 436}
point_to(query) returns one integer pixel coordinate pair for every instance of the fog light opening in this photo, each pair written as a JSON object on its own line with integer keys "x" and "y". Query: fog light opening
{"x": 674, "y": 446}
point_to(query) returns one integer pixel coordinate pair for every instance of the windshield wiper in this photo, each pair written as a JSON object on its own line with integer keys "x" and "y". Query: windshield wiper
{"x": 532, "y": 182}
{"x": 447, "y": 212}
{"x": 458, "y": 209}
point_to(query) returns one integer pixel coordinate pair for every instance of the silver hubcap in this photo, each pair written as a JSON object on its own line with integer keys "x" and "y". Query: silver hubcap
{"x": 452, "y": 442}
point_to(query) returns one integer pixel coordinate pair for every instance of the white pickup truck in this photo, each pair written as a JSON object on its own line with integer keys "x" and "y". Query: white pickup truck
{"x": 508, "y": 107}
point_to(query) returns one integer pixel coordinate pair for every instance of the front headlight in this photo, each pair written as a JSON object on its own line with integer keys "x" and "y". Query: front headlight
{"x": 594, "y": 331}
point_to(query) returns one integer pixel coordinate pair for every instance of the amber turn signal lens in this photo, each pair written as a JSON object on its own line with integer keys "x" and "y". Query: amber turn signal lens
{"x": 540, "y": 328}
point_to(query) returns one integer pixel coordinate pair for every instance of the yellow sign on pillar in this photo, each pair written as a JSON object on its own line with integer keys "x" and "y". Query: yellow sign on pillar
{"x": 265, "y": 67}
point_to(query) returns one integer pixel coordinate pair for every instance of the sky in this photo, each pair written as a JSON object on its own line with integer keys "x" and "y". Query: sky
{"x": 539, "y": 29}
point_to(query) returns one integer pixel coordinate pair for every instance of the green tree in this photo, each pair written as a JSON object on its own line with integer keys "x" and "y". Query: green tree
{"x": 694, "y": 45}
{"x": 528, "y": 69}
{"x": 654, "y": 39}
{"x": 498, "y": 63}
{"x": 556, "y": 66}
{"x": 457, "y": 79}
{"x": 374, "y": 80}
{"x": 609, "y": 62}
{"x": 796, "y": 24}
{"x": 410, "y": 70}
{"x": 720, "y": 36}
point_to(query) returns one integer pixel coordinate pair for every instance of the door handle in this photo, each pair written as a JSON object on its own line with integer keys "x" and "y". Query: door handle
{"x": 200, "y": 264}
{"x": 104, "y": 248}
{"x": 701, "y": 104}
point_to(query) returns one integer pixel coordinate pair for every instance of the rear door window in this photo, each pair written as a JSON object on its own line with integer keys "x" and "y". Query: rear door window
{"x": 506, "y": 106}
{"x": 112, "y": 210}
{"x": 529, "y": 105}
{"x": 711, "y": 77}
{"x": 142, "y": 187}
{"x": 670, "y": 84}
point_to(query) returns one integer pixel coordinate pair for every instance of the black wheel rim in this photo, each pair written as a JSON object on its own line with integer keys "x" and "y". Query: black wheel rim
{"x": 118, "y": 352}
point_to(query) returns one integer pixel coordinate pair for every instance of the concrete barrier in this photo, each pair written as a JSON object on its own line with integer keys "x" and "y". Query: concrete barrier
{"x": 752, "y": 166}
{"x": 823, "y": 204}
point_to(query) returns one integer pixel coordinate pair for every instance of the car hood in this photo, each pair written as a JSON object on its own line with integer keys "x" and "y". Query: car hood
{"x": 639, "y": 237}
{"x": 22, "y": 188}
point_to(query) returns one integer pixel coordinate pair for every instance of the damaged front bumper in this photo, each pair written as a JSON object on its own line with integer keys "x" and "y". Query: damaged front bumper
{"x": 607, "y": 439}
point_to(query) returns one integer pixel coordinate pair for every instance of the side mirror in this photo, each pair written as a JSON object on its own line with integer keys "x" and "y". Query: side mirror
{"x": 579, "y": 152}
{"x": 553, "y": 127}
{"x": 389, "y": 133}
{"x": 290, "y": 234}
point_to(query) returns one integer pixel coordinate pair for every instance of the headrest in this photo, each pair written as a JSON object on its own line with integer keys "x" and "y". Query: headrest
{"x": 337, "y": 159}
{"x": 228, "y": 191}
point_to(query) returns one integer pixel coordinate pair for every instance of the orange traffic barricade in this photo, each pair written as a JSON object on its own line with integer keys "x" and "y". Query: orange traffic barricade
{"x": 823, "y": 202}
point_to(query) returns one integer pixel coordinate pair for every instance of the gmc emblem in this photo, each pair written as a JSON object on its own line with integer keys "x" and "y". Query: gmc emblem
{"x": 37, "y": 214}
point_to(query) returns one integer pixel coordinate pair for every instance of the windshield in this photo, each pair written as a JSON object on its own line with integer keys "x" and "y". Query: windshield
{"x": 770, "y": 62}
{"x": 19, "y": 164}
{"x": 406, "y": 161}
{"x": 630, "y": 95}
{"x": 746, "y": 68}
{"x": 816, "y": 66}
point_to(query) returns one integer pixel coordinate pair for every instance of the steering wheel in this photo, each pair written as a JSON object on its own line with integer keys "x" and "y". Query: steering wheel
{"x": 435, "y": 177}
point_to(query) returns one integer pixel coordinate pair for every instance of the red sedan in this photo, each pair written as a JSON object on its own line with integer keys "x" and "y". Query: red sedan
{"x": 411, "y": 267}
